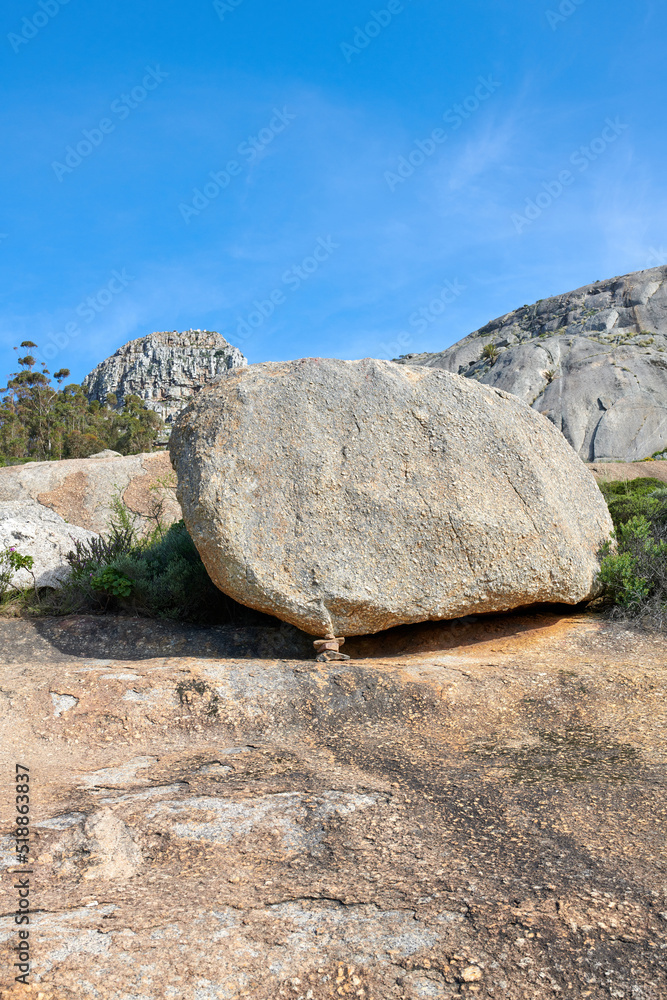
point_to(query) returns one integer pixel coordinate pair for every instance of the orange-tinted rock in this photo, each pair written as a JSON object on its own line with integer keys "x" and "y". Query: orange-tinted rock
{"x": 81, "y": 490}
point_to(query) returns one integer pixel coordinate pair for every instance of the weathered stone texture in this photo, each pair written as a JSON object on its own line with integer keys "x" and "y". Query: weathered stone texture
{"x": 215, "y": 819}
{"x": 594, "y": 361}
{"x": 81, "y": 490}
{"x": 164, "y": 369}
{"x": 36, "y": 531}
{"x": 352, "y": 496}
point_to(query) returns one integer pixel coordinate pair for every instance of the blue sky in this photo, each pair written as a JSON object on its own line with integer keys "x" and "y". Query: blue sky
{"x": 373, "y": 178}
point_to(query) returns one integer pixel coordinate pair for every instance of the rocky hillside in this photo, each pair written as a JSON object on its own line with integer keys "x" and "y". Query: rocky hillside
{"x": 594, "y": 361}
{"x": 163, "y": 369}
{"x": 82, "y": 490}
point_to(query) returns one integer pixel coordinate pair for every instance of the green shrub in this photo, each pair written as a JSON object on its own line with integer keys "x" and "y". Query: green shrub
{"x": 633, "y": 567}
{"x": 88, "y": 556}
{"x": 161, "y": 576}
{"x": 157, "y": 576}
{"x": 168, "y": 580}
{"x": 636, "y": 498}
{"x": 111, "y": 581}
{"x": 11, "y": 562}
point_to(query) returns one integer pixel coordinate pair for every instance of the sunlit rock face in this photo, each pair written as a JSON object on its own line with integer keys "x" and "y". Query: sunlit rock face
{"x": 164, "y": 369}
{"x": 347, "y": 497}
{"x": 594, "y": 361}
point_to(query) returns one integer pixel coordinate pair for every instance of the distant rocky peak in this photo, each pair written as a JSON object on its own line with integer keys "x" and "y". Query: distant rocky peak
{"x": 594, "y": 361}
{"x": 164, "y": 369}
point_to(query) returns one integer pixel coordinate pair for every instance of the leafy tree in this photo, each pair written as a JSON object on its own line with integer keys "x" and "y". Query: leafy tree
{"x": 40, "y": 422}
{"x": 137, "y": 427}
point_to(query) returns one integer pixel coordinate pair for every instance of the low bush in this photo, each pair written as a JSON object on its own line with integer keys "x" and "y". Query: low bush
{"x": 633, "y": 564}
{"x": 159, "y": 577}
{"x": 11, "y": 562}
{"x": 121, "y": 572}
{"x": 167, "y": 579}
{"x": 87, "y": 557}
{"x": 638, "y": 497}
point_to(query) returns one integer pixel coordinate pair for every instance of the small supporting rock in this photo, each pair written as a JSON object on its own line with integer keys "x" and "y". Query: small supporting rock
{"x": 329, "y": 649}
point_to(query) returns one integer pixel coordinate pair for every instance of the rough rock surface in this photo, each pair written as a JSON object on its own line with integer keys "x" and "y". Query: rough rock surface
{"x": 163, "y": 369}
{"x": 594, "y": 361}
{"x": 352, "y": 496}
{"x": 107, "y": 453}
{"x": 36, "y": 531}
{"x": 81, "y": 490}
{"x": 471, "y": 804}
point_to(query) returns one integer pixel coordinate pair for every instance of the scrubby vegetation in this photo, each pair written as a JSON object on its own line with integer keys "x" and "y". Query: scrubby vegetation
{"x": 161, "y": 577}
{"x": 156, "y": 576}
{"x": 39, "y": 422}
{"x": 638, "y": 497}
{"x": 634, "y": 564}
{"x": 10, "y": 562}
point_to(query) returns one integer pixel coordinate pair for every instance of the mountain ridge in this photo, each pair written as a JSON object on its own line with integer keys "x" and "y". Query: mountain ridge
{"x": 593, "y": 360}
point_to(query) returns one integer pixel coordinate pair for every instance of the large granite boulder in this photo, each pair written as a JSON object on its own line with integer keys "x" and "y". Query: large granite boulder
{"x": 347, "y": 497}
{"x": 594, "y": 361}
{"x": 83, "y": 490}
{"x": 36, "y": 531}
